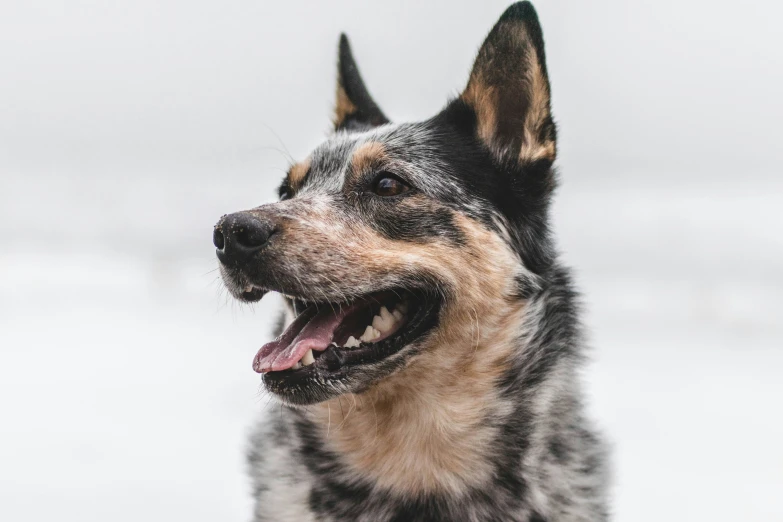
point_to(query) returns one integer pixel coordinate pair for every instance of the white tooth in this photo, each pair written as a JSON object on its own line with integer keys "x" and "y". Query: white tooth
{"x": 296, "y": 366}
{"x": 249, "y": 288}
{"x": 375, "y": 334}
{"x": 308, "y": 358}
{"x": 378, "y": 323}
{"x": 367, "y": 336}
{"x": 384, "y": 322}
{"x": 388, "y": 318}
{"x": 352, "y": 342}
{"x": 403, "y": 307}
{"x": 397, "y": 315}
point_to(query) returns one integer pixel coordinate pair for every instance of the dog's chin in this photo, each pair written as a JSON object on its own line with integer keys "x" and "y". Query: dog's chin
{"x": 238, "y": 285}
{"x": 334, "y": 348}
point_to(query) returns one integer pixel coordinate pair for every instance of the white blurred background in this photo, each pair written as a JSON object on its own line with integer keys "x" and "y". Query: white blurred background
{"x": 128, "y": 128}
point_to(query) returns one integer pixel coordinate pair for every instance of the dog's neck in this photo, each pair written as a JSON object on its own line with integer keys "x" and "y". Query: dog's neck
{"x": 430, "y": 428}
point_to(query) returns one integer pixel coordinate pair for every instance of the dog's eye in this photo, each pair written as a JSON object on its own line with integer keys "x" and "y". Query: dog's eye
{"x": 389, "y": 185}
{"x": 285, "y": 192}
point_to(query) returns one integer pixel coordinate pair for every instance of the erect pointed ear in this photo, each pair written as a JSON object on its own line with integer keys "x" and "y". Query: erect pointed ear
{"x": 508, "y": 89}
{"x": 355, "y": 109}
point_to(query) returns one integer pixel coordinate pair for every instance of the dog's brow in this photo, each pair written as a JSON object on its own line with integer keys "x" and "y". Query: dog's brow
{"x": 367, "y": 156}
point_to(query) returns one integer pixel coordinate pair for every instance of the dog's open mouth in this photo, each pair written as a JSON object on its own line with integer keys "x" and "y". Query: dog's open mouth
{"x": 327, "y": 337}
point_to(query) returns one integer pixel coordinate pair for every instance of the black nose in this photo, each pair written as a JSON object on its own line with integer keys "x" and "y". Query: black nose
{"x": 239, "y": 236}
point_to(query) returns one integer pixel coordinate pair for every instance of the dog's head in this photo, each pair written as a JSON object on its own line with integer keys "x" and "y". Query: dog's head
{"x": 394, "y": 242}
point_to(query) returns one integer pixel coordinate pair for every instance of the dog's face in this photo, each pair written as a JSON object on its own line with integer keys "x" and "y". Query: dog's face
{"x": 395, "y": 241}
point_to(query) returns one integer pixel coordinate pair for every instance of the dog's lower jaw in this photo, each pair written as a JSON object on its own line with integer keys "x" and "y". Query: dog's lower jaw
{"x": 475, "y": 431}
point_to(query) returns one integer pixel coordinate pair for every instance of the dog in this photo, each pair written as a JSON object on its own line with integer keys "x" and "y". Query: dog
{"x": 428, "y": 368}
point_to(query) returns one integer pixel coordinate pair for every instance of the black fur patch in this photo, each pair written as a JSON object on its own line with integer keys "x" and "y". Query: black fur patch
{"x": 412, "y": 224}
{"x": 367, "y": 113}
{"x": 519, "y": 192}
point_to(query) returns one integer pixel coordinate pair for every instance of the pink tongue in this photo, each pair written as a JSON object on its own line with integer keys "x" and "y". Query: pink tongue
{"x": 307, "y": 332}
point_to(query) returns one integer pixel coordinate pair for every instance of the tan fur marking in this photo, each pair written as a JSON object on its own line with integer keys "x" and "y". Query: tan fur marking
{"x": 367, "y": 156}
{"x": 537, "y": 113}
{"x": 424, "y": 430}
{"x": 484, "y": 101}
{"x": 344, "y": 107}
{"x": 297, "y": 173}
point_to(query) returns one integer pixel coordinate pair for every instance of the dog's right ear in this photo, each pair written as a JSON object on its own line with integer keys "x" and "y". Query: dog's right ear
{"x": 354, "y": 108}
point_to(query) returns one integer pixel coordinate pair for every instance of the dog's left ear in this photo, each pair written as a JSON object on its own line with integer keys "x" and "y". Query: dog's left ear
{"x": 355, "y": 108}
{"x": 508, "y": 90}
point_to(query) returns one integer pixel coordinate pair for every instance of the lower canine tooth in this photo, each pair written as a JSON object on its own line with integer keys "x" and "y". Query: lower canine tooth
{"x": 296, "y": 366}
{"x": 308, "y": 358}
